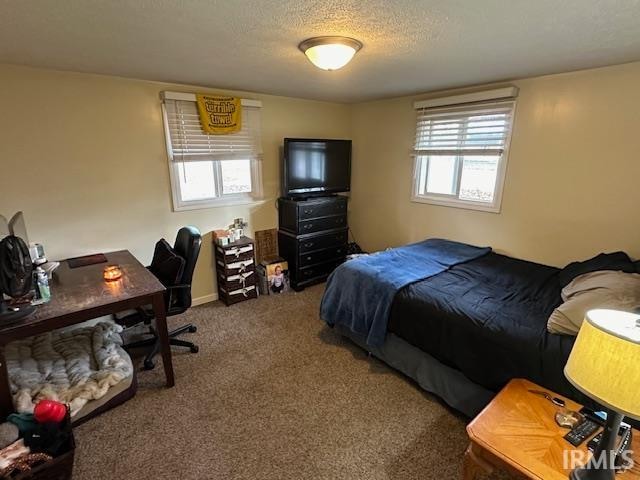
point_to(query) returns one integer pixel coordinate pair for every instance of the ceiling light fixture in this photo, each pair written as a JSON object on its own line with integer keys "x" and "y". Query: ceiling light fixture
{"x": 330, "y": 53}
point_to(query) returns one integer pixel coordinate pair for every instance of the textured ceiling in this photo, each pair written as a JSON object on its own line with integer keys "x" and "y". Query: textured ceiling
{"x": 409, "y": 46}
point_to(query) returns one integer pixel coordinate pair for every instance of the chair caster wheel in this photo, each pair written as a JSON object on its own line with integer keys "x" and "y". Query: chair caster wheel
{"x": 193, "y": 329}
{"x": 149, "y": 365}
{"x": 194, "y": 349}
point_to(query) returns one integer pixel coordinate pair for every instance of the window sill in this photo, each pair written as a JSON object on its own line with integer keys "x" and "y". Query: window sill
{"x": 227, "y": 202}
{"x": 455, "y": 203}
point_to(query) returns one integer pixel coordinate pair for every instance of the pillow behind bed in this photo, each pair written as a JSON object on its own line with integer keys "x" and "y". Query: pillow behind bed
{"x": 617, "y": 261}
{"x": 604, "y": 289}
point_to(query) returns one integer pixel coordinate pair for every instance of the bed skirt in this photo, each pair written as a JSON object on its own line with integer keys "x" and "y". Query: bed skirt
{"x": 449, "y": 384}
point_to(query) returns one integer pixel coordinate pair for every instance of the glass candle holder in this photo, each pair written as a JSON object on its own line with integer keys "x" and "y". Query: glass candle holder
{"x": 112, "y": 272}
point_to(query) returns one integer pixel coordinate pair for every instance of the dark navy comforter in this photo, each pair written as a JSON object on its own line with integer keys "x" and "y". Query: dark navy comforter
{"x": 360, "y": 292}
{"x": 488, "y": 319}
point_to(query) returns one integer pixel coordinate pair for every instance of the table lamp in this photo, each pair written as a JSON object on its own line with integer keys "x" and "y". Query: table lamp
{"x": 605, "y": 365}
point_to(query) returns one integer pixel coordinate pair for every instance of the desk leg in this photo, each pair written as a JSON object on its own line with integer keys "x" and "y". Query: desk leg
{"x": 6, "y": 402}
{"x": 163, "y": 335}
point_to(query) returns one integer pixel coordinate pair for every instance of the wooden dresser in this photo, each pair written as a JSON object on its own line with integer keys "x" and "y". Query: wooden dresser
{"x": 236, "y": 271}
{"x": 312, "y": 237}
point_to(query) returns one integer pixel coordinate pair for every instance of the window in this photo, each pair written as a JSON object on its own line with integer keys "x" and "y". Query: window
{"x": 211, "y": 170}
{"x": 460, "y": 151}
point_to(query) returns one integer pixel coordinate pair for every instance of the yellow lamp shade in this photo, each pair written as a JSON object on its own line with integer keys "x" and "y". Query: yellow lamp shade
{"x": 605, "y": 360}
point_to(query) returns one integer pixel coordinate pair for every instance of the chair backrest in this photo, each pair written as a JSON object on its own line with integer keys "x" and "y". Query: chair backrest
{"x": 187, "y": 245}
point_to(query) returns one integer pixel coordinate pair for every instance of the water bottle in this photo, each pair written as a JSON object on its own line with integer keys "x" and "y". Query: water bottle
{"x": 42, "y": 282}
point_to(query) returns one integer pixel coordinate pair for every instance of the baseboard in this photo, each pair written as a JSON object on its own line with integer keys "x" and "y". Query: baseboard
{"x": 205, "y": 299}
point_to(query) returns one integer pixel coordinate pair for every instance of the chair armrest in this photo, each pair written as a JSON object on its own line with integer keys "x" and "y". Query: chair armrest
{"x": 129, "y": 318}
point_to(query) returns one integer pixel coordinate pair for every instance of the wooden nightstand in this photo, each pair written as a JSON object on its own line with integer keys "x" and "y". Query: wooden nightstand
{"x": 517, "y": 433}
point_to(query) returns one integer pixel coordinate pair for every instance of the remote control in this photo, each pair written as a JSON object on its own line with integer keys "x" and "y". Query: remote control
{"x": 581, "y": 432}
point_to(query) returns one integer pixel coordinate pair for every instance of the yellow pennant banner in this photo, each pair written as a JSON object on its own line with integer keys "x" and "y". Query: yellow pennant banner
{"x": 219, "y": 115}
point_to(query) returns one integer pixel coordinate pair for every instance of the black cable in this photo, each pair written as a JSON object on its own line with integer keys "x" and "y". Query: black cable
{"x": 353, "y": 236}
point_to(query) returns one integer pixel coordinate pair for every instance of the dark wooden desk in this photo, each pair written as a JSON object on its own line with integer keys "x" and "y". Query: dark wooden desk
{"x": 80, "y": 294}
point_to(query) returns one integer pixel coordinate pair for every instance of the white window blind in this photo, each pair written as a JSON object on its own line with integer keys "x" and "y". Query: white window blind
{"x": 211, "y": 170}
{"x": 464, "y": 130}
{"x": 190, "y": 143}
{"x": 460, "y": 153}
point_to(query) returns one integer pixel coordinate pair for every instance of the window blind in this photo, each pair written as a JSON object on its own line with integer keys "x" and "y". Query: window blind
{"x": 481, "y": 129}
{"x": 188, "y": 142}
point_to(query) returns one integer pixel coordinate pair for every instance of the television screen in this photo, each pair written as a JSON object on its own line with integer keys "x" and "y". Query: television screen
{"x": 316, "y": 166}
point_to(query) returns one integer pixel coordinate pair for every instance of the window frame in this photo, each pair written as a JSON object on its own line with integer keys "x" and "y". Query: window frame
{"x": 224, "y": 200}
{"x": 420, "y": 162}
{"x": 221, "y": 200}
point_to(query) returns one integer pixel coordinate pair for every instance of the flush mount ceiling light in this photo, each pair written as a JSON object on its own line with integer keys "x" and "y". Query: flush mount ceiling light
{"x": 330, "y": 53}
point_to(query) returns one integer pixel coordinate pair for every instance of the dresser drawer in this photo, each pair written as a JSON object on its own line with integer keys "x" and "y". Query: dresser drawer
{"x": 235, "y": 254}
{"x": 239, "y": 281}
{"x": 229, "y": 297}
{"x": 337, "y": 206}
{"x": 319, "y": 256}
{"x": 322, "y": 241}
{"x": 316, "y": 271}
{"x": 319, "y": 224}
{"x": 234, "y": 268}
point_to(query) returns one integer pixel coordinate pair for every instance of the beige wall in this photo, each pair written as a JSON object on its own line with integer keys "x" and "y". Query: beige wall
{"x": 572, "y": 187}
{"x": 84, "y": 157}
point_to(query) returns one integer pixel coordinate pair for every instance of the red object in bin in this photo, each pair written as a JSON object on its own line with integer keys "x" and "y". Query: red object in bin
{"x": 49, "y": 411}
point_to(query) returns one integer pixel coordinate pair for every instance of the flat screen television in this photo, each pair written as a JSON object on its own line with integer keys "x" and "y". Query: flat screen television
{"x": 315, "y": 167}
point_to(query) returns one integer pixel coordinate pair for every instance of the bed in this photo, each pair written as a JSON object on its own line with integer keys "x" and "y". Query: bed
{"x": 463, "y": 332}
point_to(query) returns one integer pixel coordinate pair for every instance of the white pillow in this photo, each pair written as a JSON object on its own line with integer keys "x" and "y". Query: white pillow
{"x": 602, "y": 289}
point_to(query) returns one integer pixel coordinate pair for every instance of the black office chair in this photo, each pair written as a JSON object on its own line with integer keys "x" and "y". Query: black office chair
{"x": 177, "y": 298}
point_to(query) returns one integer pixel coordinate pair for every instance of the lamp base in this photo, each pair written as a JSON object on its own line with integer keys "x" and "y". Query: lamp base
{"x": 602, "y": 463}
{"x": 592, "y": 474}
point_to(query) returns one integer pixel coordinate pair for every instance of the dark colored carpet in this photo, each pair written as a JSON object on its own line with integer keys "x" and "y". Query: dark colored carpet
{"x": 273, "y": 394}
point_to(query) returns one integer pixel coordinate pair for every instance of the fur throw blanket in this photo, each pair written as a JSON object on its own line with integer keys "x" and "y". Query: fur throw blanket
{"x": 70, "y": 366}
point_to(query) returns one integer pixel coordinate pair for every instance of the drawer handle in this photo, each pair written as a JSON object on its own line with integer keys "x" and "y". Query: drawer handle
{"x": 307, "y": 227}
{"x": 309, "y": 258}
{"x": 308, "y": 244}
{"x": 308, "y": 211}
{"x": 339, "y": 220}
